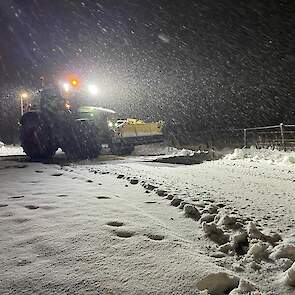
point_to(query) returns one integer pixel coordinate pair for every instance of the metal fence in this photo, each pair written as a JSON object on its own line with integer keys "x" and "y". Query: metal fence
{"x": 278, "y": 136}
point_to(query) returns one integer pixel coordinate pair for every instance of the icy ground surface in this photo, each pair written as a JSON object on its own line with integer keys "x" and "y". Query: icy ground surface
{"x": 110, "y": 227}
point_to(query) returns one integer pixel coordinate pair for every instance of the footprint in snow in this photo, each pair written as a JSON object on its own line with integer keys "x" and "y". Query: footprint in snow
{"x": 21, "y": 220}
{"x": 123, "y": 233}
{"x": 20, "y": 166}
{"x": 3, "y": 205}
{"x": 115, "y": 223}
{"x": 23, "y": 262}
{"x": 16, "y": 197}
{"x": 39, "y": 171}
{"x": 7, "y": 214}
{"x": 31, "y": 207}
{"x": 150, "y": 202}
{"x": 134, "y": 181}
{"x": 155, "y": 237}
{"x": 62, "y": 196}
{"x": 103, "y": 198}
{"x": 57, "y": 174}
{"x": 47, "y": 207}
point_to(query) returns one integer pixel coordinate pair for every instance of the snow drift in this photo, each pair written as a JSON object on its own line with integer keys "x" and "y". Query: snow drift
{"x": 269, "y": 155}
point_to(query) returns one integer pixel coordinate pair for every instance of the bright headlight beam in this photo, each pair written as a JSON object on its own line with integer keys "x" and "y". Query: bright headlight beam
{"x": 93, "y": 89}
{"x": 66, "y": 87}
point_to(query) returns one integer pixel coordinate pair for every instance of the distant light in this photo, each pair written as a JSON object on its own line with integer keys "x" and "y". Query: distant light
{"x": 93, "y": 89}
{"x": 66, "y": 87}
{"x": 24, "y": 95}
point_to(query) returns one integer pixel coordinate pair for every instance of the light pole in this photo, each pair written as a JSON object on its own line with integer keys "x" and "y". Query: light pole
{"x": 23, "y": 96}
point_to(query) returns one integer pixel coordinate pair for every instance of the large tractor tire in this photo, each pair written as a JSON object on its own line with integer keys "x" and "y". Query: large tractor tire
{"x": 122, "y": 149}
{"x": 82, "y": 141}
{"x": 35, "y": 136}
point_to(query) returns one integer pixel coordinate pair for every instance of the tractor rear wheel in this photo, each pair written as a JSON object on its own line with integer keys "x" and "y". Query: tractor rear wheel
{"x": 35, "y": 136}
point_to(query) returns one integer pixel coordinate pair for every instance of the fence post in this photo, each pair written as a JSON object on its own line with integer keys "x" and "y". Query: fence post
{"x": 282, "y": 135}
{"x": 245, "y": 137}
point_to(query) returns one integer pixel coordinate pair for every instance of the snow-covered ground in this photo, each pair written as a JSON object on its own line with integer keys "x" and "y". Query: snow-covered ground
{"x": 128, "y": 226}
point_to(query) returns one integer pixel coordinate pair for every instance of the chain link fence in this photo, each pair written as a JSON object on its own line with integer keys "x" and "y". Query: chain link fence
{"x": 280, "y": 137}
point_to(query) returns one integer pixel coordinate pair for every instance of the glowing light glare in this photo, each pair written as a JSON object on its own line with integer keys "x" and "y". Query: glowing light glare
{"x": 66, "y": 87}
{"x": 93, "y": 89}
{"x": 74, "y": 82}
{"x": 24, "y": 95}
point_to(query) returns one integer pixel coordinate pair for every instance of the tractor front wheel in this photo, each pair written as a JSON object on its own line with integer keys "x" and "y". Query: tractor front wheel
{"x": 82, "y": 141}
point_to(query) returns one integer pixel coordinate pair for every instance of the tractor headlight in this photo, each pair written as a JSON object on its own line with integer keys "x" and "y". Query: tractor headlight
{"x": 66, "y": 87}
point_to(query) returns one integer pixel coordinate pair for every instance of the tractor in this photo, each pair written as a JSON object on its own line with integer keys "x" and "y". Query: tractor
{"x": 66, "y": 120}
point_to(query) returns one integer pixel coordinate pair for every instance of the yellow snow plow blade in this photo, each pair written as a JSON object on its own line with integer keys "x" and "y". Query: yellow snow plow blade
{"x": 133, "y": 128}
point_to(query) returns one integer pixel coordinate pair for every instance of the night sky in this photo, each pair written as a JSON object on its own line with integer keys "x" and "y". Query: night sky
{"x": 199, "y": 65}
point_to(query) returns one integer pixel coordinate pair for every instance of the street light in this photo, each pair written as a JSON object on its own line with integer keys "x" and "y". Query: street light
{"x": 23, "y": 96}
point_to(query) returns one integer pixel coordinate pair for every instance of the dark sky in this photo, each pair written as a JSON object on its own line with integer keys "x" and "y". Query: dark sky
{"x": 144, "y": 39}
{"x": 202, "y": 56}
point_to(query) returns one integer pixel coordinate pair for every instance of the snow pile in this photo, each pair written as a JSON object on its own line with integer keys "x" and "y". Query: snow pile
{"x": 172, "y": 155}
{"x": 10, "y": 150}
{"x": 184, "y": 156}
{"x": 160, "y": 149}
{"x": 269, "y": 155}
{"x": 155, "y": 149}
{"x": 174, "y": 152}
{"x": 183, "y": 153}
